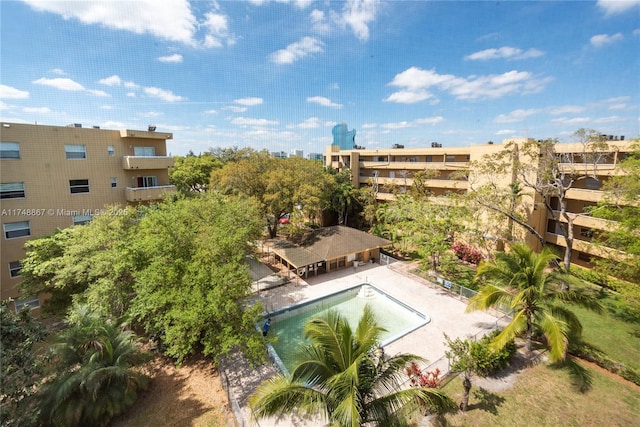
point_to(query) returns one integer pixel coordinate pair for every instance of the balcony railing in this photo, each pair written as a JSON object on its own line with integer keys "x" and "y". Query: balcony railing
{"x": 585, "y": 195}
{"x": 144, "y": 194}
{"x": 143, "y": 162}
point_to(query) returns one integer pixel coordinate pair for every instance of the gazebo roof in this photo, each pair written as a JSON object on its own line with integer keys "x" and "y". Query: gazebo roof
{"x": 326, "y": 243}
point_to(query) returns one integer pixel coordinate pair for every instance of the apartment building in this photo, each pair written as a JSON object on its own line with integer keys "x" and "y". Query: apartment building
{"x": 55, "y": 177}
{"x": 391, "y": 171}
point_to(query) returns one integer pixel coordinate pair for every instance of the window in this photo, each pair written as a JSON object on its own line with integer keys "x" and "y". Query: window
{"x": 592, "y": 183}
{"x": 14, "y": 268}
{"x": 111, "y": 151}
{"x": 114, "y": 182}
{"x": 75, "y": 151}
{"x": 30, "y": 302}
{"x": 14, "y": 230}
{"x": 81, "y": 219}
{"x": 429, "y": 159}
{"x": 9, "y": 150}
{"x": 450, "y": 159}
{"x": 584, "y": 257}
{"x": 79, "y": 186}
{"x": 147, "y": 181}
{"x": 12, "y": 190}
{"x": 144, "y": 151}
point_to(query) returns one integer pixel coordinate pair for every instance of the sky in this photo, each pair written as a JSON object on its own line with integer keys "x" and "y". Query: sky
{"x": 278, "y": 75}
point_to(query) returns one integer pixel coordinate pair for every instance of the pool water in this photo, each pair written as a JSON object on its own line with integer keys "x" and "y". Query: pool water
{"x": 287, "y": 324}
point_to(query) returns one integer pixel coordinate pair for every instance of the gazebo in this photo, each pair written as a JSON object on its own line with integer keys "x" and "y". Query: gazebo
{"x": 327, "y": 249}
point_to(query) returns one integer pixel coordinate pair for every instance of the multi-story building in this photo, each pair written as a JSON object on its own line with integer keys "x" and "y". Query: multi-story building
{"x": 447, "y": 170}
{"x": 55, "y": 177}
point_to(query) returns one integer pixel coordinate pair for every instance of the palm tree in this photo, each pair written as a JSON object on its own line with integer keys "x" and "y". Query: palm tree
{"x": 93, "y": 380}
{"x": 339, "y": 375}
{"x": 538, "y": 296}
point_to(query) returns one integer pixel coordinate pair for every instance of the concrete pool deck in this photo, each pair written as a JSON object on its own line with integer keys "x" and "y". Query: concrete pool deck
{"x": 446, "y": 310}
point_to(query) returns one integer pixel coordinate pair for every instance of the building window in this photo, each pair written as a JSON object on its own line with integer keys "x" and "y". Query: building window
{"x": 79, "y": 186}
{"x": 144, "y": 151}
{"x": 29, "y": 302}
{"x": 582, "y": 256}
{"x": 111, "y": 151}
{"x": 14, "y": 268}
{"x": 114, "y": 182}
{"x": 12, "y": 190}
{"x": 429, "y": 159}
{"x": 9, "y": 150}
{"x": 75, "y": 151}
{"x": 81, "y": 219}
{"x": 592, "y": 184}
{"x": 449, "y": 159}
{"x": 147, "y": 181}
{"x": 14, "y": 230}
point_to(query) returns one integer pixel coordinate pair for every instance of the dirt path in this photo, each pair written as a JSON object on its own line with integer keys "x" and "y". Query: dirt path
{"x": 191, "y": 395}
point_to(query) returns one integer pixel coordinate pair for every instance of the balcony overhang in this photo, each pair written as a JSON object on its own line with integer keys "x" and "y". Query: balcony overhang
{"x": 130, "y": 133}
{"x": 153, "y": 162}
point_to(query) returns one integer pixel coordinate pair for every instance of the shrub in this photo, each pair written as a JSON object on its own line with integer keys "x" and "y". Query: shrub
{"x": 489, "y": 361}
{"x": 418, "y": 378}
{"x": 467, "y": 253}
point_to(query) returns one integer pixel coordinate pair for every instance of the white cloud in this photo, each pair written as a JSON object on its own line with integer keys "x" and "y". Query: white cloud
{"x": 235, "y": 109}
{"x": 211, "y": 112}
{"x": 310, "y": 123}
{"x": 414, "y": 123}
{"x": 297, "y": 50}
{"x": 97, "y": 92}
{"x": 505, "y": 52}
{"x": 566, "y": 109}
{"x": 110, "y": 81}
{"x": 36, "y": 110}
{"x": 357, "y": 14}
{"x": 113, "y": 125}
{"x": 610, "y": 119}
{"x": 163, "y": 94}
{"x": 605, "y": 39}
{"x": 325, "y": 102}
{"x": 131, "y": 85}
{"x": 515, "y": 116}
{"x": 298, "y": 3}
{"x": 8, "y": 92}
{"x": 60, "y": 83}
{"x": 131, "y": 94}
{"x": 415, "y": 82}
{"x": 150, "y": 114}
{"x": 175, "y": 58}
{"x": 245, "y": 121}
{"x": 636, "y": 32}
{"x": 369, "y": 126}
{"x": 249, "y": 101}
{"x": 505, "y": 132}
{"x": 614, "y": 7}
{"x": 106, "y": 107}
{"x": 58, "y": 72}
{"x": 572, "y": 121}
{"x": 319, "y": 22}
{"x": 168, "y": 20}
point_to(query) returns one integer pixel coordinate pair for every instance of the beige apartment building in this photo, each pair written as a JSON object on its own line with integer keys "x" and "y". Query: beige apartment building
{"x": 55, "y": 177}
{"x": 391, "y": 171}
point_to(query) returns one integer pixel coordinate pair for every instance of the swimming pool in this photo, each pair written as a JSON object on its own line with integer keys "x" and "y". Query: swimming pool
{"x": 396, "y": 317}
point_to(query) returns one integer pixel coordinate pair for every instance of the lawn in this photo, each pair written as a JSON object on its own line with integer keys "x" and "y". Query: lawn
{"x": 543, "y": 396}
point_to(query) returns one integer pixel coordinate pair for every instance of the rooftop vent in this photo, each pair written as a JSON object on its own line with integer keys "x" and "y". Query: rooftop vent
{"x": 436, "y": 145}
{"x": 152, "y": 128}
{"x": 397, "y": 146}
{"x": 75, "y": 125}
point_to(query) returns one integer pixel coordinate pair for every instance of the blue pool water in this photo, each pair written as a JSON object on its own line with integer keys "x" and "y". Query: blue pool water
{"x": 396, "y": 317}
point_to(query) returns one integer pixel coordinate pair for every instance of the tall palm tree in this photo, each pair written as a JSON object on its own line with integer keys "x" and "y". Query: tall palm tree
{"x": 538, "y": 296}
{"x": 338, "y": 375}
{"x": 93, "y": 380}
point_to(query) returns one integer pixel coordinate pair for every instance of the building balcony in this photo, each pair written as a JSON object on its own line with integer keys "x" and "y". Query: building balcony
{"x": 144, "y": 194}
{"x": 143, "y": 162}
{"x": 146, "y": 134}
{"x": 588, "y": 221}
{"x": 584, "y": 195}
{"x": 414, "y": 166}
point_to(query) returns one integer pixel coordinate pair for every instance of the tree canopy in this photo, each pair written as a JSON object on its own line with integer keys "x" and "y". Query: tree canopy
{"x": 192, "y": 174}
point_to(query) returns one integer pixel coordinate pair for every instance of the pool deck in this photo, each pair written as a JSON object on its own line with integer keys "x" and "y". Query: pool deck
{"x": 446, "y": 310}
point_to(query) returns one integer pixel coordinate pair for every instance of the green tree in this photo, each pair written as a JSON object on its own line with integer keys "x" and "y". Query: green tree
{"x": 538, "y": 297}
{"x": 20, "y": 365}
{"x": 339, "y": 376}
{"x": 192, "y": 174}
{"x": 193, "y": 276}
{"x": 92, "y": 378}
{"x": 621, "y": 205}
{"x": 344, "y": 196}
{"x": 279, "y": 186}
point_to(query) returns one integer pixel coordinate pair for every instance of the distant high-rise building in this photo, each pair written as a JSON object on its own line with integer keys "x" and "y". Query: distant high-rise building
{"x": 343, "y": 137}
{"x": 296, "y": 153}
{"x": 315, "y": 156}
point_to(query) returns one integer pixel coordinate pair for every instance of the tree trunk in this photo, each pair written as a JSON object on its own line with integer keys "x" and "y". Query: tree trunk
{"x": 528, "y": 343}
{"x": 466, "y": 384}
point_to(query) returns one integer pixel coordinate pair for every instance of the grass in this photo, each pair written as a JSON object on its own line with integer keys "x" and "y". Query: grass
{"x": 543, "y": 396}
{"x": 616, "y": 338}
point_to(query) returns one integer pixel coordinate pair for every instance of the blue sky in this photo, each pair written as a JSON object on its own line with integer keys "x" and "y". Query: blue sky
{"x": 280, "y": 74}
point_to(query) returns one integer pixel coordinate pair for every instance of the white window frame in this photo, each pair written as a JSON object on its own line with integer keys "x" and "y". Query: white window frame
{"x": 10, "y": 150}
{"x": 79, "y": 186}
{"x": 32, "y": 302}
{"x": 114, "y": 182}
{"x": 81, "y": 219}
{"x": 18, "y": 226}
{"x": 111, "y": 150}
{"x": 12, "y": 190}
{"x": 153, "y": 180}
{"x": 75, "y": 151}
{"x": 14, "y": 269}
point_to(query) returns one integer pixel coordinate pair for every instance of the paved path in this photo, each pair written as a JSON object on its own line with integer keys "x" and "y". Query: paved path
{"x": 447, "y": 313}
